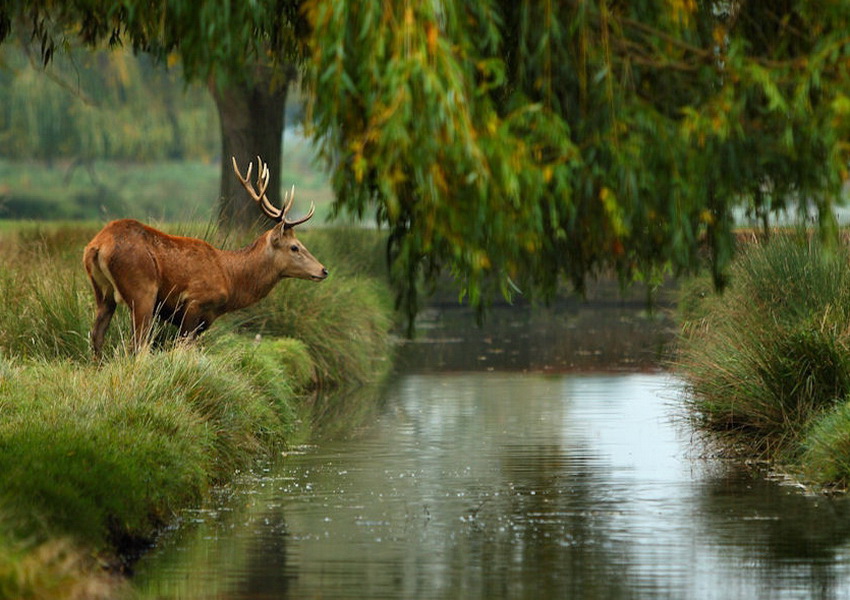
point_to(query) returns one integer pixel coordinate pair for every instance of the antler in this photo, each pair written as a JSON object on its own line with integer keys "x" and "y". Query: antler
{"x": 260, "y": 197}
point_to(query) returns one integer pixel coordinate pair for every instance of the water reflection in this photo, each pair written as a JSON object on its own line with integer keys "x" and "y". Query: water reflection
{"x": 570, "y": 336}
{"x": 794, "y": 541}
{"x": 509, "y": 485}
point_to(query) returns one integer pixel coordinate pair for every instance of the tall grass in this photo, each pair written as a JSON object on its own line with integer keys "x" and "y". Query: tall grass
{"x": 100, "y": 455}
{"x": 344, "y": 322}
{"x": 767, "y": 363}
{"x": 46, "y": 307}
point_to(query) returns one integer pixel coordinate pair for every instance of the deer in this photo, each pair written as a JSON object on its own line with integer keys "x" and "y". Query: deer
{"x": 186, "y": 281}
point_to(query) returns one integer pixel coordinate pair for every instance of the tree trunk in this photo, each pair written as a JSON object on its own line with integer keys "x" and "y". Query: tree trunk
{"x": 251, "y": 116}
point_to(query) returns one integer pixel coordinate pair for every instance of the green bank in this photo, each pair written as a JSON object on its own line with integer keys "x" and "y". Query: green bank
{"x": 96, "y": 458}
{"x": 767, "y": 362}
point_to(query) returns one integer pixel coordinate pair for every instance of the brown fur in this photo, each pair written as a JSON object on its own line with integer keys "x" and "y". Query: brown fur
{"x": 184, "y": 280}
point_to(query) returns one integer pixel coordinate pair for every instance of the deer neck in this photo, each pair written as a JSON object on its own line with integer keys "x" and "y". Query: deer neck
{"x": 251, "y": 272}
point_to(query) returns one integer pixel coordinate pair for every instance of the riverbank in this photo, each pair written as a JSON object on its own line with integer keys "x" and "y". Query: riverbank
{"x": 95, "y": 459}
{"x": 767, "y": 363}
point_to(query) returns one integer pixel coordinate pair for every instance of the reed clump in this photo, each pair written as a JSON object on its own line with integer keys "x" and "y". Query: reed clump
{"x": 767, "y": 362}
{"x": 96, "y": 457}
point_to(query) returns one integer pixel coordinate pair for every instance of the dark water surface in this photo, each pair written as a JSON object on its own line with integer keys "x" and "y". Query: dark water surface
{"x": 514, "y": 475}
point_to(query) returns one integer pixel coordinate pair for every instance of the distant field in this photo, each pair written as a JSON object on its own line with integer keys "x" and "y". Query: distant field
{"x": 166, "y": 191}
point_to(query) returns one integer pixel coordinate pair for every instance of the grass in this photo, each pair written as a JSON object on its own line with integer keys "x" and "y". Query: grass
{"x": 191, "y": 419}
{"x": 767, "y": 363}
{"x": 54, "y": 569}
{"x": 33, "y": 190}
{"x": 95, "y": 458}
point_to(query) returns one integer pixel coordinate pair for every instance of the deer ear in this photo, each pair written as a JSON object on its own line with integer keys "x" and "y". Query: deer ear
{"x": 280, "y": 233}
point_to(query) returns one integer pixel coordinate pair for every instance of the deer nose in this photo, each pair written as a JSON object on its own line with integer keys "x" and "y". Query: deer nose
{"x": 324, "y": 272}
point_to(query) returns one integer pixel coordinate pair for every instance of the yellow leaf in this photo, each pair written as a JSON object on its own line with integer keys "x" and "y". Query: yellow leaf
{"x": 483, "y": 261}
{"x": 682, "y": 10}
{"x": 358, "y": 164}
{"x": 717, "y": 123}
{"x": 719, "y": 35}
{"x": 612, "y": 209}
{"x": 432, "y": 33}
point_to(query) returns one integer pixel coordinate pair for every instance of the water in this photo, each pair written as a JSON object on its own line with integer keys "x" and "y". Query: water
{"x": 506, "y": 481}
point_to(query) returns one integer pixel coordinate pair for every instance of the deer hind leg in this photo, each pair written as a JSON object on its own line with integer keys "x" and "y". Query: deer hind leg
{"x": 142, "y": 307}
{"x": 141, "y": 301}
{"x": 104, "y": 295}
{"x": 105, "y": 309}
{"x": 136, "y": 287}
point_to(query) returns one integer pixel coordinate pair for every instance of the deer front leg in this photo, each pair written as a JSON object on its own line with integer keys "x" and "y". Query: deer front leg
{"x": 195, "y": 321}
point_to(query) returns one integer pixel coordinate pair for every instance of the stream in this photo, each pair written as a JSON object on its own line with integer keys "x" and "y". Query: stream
{"x": 545, "y": 456}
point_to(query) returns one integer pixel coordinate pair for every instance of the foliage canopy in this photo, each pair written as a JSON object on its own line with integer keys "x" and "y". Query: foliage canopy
{"x": 518, "y": 143}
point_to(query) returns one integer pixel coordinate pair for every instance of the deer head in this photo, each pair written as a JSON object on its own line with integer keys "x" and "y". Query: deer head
{"x": 294, "y": 259}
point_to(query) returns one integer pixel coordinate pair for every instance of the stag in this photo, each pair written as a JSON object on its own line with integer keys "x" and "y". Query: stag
{"x": 186, "y": 281}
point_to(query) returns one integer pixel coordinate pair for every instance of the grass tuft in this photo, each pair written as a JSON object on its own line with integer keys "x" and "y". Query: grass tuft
{"x": 767, "y": 363}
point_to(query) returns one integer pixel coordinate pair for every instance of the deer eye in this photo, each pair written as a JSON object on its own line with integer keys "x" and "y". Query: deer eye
{"x": 294, "y": 247}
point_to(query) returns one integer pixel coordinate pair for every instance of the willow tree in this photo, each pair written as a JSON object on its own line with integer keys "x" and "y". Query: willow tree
{"x": 245, "y": 51}
{"x": 518, "y": 143}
